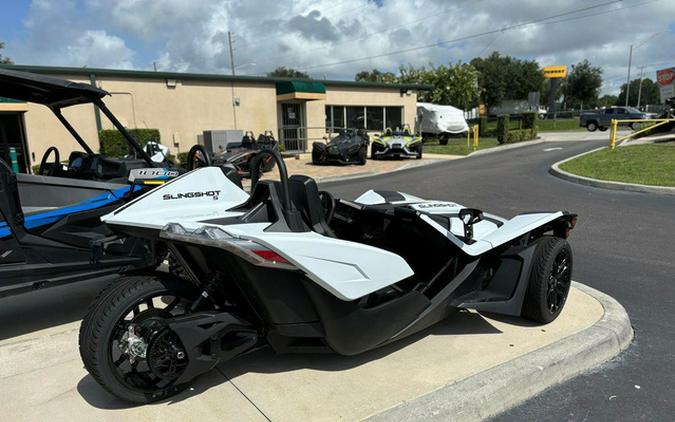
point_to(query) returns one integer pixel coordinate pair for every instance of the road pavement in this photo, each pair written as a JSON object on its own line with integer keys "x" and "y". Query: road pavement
{"x": 623, "y": 246}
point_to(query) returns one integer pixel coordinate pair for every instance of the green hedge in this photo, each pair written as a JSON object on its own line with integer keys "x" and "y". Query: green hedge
{"x": 521, "y": 135}
{"x": 113, "y": 143}
{"x": 529, "y": 121}
{"x": 503, "y": 122}
{"x": 483, "y": 126}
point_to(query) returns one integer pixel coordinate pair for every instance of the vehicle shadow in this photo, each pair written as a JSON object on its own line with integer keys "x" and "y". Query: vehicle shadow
{"x": 28, "y": 312}
{"x": 267, "y": 362}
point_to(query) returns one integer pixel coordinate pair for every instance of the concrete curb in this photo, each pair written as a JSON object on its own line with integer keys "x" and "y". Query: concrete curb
{"x": 606, "y": 184}
{"x": 492, "y": 391}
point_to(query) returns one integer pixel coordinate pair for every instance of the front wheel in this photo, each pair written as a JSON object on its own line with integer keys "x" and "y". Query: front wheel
{"x": 125, "y": 342}
{"x": 361, "y": 156}
{"x": 591, "y": 126}
{"x": 420, "y": 149}
{"x": 550, "y": 280}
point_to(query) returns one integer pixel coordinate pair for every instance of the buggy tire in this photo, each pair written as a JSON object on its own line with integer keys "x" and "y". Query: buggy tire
{"x": 548, "y": 287}
{"x": 101, "y": 320}
{"x": 361, "y": 156}
{"x": 419, "y": 151}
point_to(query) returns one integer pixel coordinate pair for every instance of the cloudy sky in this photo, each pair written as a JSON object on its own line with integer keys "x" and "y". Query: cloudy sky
{"x": 336, "y": 38}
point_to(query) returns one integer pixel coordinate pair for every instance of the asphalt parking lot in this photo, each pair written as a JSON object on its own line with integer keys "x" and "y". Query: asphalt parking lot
{"x": 623, "y": 246}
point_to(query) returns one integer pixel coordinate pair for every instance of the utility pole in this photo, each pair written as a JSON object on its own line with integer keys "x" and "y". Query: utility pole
{"x": 234, "y": 106}
{"x": 642, "y": 68}
{"x": 630, "y": 59}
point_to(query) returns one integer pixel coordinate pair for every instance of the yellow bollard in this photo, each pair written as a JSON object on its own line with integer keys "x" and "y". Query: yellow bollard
{"x": 475, "y": 137}
{"x": 612, "y": 134}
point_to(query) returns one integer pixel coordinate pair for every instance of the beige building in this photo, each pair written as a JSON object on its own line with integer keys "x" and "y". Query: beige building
{"x": 183, "y": 105}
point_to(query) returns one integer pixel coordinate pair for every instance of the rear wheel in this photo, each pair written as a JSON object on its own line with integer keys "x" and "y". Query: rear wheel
{"x": 591, "y": 126}
{"x": 550, "y": 280}
{"x": 361, "y": 156}
{"x": 125, "y": 342}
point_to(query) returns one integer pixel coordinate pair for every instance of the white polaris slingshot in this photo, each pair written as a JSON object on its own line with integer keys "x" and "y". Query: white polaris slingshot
{"x": 292, "y": 268}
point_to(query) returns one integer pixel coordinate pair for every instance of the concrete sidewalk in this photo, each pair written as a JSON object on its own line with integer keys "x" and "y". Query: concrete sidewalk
{"x": 42, "y": 377}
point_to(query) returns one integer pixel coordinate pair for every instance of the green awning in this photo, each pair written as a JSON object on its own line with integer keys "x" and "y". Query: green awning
{"x": 10, "y": 100}
{"x": 301, "y": 90}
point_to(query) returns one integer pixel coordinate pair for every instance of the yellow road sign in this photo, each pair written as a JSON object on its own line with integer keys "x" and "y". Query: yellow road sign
{"x": 555, "y": 71}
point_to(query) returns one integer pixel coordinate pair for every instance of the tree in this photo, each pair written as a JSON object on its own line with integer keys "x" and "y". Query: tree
{"x": 284, "y": 72}
{"x": 507, "y": 78}
{"x": 608, "y": 101}
{"x": 4, "y": 59}
{"x": 454, "y": 84}
{"x": 375, "y": 76}
{"x": 583, "y": 85}
{"x": 649, "y": 94}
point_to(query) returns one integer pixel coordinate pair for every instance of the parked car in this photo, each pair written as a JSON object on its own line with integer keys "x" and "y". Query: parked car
{"x": 440, "y": 121}
{"x": 601, "y": 119}
{"x": 349, "y": 147}
{"x": 50, "y": 228}
{"x": 397, "y": 143}
{"x": 237, "y": 156}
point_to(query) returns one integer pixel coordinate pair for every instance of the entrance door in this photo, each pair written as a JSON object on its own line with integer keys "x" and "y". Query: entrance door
{"x": 293, "y": 133}
{"x": 12, "y": 135}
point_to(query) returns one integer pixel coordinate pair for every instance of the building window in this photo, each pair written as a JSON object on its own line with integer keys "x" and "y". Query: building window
{"x": 393, "y": 117}
{"x": 356, "y": 117}
{"x": 375, "y": 118}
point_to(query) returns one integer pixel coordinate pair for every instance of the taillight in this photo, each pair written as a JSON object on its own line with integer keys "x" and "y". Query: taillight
{"x": 269, "y": 255}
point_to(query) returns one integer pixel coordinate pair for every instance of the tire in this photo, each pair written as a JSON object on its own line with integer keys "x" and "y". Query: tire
{"x": 362, "y": 156}
{"x": 591, "y": 126}
{"x": 101, "y": 322}
{"x": 635, "y": 126}
{"x": 544, "y": 299}
{"x": 603, "y": 128}
{"x": 420, "y": 149}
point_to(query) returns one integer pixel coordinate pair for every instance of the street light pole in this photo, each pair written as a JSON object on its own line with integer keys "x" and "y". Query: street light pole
{"x": 630, "y": 59}
{"x": 642, "y": 68}
{"x": 234, "y": 106}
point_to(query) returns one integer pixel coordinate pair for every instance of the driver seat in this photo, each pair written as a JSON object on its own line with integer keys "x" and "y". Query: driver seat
{"x": 304, "y": 194}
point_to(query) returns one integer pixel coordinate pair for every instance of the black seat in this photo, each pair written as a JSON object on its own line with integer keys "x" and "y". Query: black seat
{"x": 305, "y": 196}
{"x": 10, "y": 205}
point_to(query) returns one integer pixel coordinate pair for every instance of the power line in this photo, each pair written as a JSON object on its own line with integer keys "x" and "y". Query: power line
{"x": 466, "y": 37}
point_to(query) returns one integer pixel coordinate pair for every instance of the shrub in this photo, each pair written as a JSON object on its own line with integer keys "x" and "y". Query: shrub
{"x": 182, "y": 158}
{"x": 113, "y": 144}
{"x": 503, "y": 128}
{"x": 521, "y": 135}
{"x": 483, "y": 126}
{"x": 529, "y": 120}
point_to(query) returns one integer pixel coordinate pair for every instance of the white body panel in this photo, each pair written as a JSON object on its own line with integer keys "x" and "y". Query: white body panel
{"x": 348, "y": 270}
{"x": 201, "y": 194}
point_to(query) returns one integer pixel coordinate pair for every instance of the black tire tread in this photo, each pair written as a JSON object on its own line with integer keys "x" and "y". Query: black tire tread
{"x": 93, "y": 328}
{"x": 547, "y": 249}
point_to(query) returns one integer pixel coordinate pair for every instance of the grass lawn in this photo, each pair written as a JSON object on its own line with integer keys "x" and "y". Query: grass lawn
{"x": 643, "y": 164}
{"x": 558, "y": 124}
{"x": 457, "y": 146}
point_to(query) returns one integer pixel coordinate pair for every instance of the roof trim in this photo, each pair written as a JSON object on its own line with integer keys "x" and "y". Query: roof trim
{"x": 212, "y": 77}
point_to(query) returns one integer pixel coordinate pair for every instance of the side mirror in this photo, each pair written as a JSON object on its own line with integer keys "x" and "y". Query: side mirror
{"x": 469, "y": 217}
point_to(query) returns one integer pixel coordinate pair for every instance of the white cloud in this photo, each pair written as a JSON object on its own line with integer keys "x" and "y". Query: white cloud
{"x": 191, "y": 35}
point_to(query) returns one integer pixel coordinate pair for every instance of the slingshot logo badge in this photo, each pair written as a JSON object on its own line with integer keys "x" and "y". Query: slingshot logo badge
{"x": 214, "y": 194}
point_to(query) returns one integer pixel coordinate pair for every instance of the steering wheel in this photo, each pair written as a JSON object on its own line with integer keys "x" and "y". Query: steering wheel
{"x": 55, "y": 163}
{"x": 198, "y": 152}
{"x": 328, "y": 204}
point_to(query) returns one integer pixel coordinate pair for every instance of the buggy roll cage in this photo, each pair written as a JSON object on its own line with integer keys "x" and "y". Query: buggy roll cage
{"x": 56, "y": 94}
